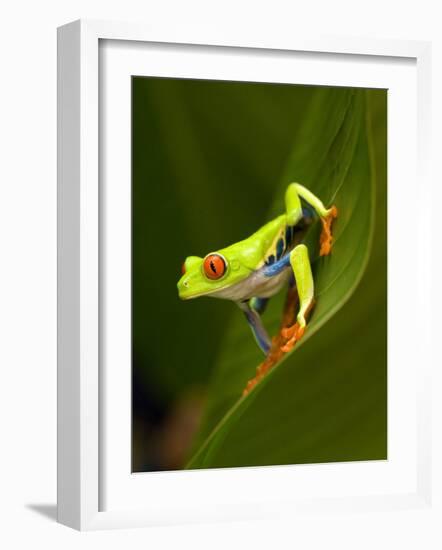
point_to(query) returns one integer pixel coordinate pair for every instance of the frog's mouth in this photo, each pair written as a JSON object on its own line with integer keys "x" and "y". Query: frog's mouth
{"x": 229, "y": 290}
{"x": 184, "y": 293}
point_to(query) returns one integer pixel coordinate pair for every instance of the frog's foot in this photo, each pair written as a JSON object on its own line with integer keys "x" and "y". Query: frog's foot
{"x": 326, "y": 238}
{"x": 269, "y": 362}
{"x": 292, "y": 335}
{"x": 282, "y": 343}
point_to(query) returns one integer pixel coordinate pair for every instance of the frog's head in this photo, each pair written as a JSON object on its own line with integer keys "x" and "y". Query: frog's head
{"x": 205, "y": 276}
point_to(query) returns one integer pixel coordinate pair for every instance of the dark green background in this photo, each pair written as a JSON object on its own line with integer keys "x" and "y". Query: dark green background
{"x": 207, "y": 156}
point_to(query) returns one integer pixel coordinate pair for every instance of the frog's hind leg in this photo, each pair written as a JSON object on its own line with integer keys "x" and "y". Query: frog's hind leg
{"x": 275, "y": 353}
{"x": 258, "y": 329}
{"x": 293, "y": 206}
{"x": 300, "y": 263}
{"x": 326, "y": 215}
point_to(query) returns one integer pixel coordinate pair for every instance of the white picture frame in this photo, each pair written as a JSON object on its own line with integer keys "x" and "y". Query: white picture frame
{"x": 81, "y": 471}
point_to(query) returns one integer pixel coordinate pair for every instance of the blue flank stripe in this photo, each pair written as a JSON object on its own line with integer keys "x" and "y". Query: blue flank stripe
{"x": 275, "y": 268}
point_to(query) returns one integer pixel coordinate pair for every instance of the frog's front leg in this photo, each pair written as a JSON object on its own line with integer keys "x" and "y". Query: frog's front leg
{"x": 255, "y": 322}
{"x": 300, "y": 263}
{"x": 259, "y": 304}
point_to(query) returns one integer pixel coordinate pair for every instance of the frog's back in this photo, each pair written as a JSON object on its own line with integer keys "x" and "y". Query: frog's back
{"x": 254, "y": 251}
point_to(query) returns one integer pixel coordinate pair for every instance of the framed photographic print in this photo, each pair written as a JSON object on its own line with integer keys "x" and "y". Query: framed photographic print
{"x": 235, "y": 222}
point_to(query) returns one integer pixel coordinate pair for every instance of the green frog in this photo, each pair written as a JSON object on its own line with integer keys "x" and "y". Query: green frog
{"x": 253, "y": 270}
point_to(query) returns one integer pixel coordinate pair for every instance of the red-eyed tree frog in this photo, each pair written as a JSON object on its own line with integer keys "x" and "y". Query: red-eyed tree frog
{"x": 253, "y": 270}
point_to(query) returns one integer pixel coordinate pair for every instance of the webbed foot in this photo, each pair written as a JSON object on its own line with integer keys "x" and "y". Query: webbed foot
{"x": 326, "y": 238}
{"x": 292, "y": 335}
{"x": 270, "y": 361}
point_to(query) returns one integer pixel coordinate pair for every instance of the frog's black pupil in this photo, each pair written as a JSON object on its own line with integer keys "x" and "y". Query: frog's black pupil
{"x": 212, "y": 266}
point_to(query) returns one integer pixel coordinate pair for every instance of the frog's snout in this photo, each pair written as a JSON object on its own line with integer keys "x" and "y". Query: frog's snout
{"x": 183, "y": 288}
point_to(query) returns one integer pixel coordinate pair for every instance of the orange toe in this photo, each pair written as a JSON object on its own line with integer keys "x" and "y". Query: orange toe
{"x": 326, "y": 237}
{"x": 293, "y": 335}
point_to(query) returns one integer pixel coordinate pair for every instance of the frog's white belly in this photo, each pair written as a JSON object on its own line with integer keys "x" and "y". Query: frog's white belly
{"x": 256, "y": 285}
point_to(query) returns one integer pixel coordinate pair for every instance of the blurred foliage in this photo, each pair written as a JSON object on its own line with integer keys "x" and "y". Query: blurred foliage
{"x": 210, "y": 163}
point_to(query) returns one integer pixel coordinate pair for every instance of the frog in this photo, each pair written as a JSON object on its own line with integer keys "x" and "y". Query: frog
{"x": 256, "y": 268}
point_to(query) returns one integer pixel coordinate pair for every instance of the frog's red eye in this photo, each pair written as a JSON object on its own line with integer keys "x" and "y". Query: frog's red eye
{"x": 183, "y": 268}
{"x": 214, "y": 266}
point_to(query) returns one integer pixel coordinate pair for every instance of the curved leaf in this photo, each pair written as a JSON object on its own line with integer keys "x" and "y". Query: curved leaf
{"x": 301, "y": 411}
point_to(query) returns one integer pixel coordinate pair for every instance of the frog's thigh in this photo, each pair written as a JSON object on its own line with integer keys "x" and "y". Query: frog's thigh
{"x": 300, "y": 262}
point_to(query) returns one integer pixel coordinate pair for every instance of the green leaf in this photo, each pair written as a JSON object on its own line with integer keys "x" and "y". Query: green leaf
{"x": 325, "y": 400}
